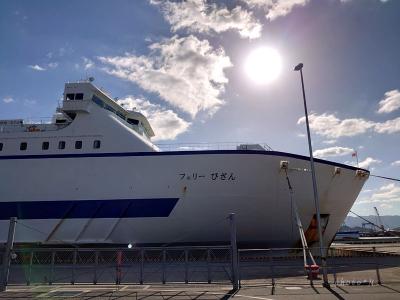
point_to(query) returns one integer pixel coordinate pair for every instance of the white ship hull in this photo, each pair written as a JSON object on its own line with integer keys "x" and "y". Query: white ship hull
{"x": 182, "y": 205}
{"x": 93, "y": 176}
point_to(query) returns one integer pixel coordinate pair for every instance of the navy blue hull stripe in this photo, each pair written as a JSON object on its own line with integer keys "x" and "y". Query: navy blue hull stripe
{"x": 74, "y": 209}
{"x": 177, "y": 153}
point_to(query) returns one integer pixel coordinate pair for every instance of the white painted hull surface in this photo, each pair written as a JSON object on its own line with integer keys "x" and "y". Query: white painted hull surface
{"x": 255, "y": 189}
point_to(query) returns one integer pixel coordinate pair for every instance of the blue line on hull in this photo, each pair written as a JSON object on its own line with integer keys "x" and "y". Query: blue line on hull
{"x": 177, "y": 153}
{"x": 87, "y": 209}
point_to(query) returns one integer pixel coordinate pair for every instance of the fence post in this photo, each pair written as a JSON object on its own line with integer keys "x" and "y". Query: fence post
{"x": 53, "y": 257}
{"x": 141, "y": 265}
{"x": 186, "y": 265}
{"x": 333, "y": 264}
{"x": 73, "y": 267}
{"x": 208, "y": 266}
{"x": 30, "y": 268}
{"x": 118, "y": 269}
{"x": 163, "y": 265}
{"x": 271, "y": 265}
{"x": 7, "y": 254}
{"x": 378, "y": 275}
{"x": 234, "y": 252}
{"x": 96, "y": 263}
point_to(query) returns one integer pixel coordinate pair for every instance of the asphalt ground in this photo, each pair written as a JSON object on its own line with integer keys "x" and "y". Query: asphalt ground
{"x": 204, "y": 291}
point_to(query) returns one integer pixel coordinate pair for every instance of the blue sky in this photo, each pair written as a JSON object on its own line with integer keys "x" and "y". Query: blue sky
{"x": 182, "y": 64}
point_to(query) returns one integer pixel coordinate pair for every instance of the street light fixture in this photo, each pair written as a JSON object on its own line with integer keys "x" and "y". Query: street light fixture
{"x": 299, "y": 67}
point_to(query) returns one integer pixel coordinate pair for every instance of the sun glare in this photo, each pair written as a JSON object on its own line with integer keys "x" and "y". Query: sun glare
{"x": 263, "y": 65}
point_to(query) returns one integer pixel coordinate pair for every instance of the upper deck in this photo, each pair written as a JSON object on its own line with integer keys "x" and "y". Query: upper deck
{"x": 77, "y": 98}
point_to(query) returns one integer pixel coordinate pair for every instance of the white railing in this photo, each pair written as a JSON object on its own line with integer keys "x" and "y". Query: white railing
{"x": 211, "y": 146}
{"x": 32, "y": 125}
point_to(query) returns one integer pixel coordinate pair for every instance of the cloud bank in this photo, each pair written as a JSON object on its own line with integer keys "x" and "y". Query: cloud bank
{"x": 333, "y": 151}
{"x": 204, "y": 17}
{"x": 385, "y": 194}
{"x": 328, "y": 125}
{"x": 186, "y": 72}
{"x": 276, "y": 8}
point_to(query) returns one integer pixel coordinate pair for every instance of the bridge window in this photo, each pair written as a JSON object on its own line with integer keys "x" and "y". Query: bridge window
{"x": 1, "y": 146}
{"x": 132, "y": 121}
{"x": 96, "y": 144}
{"x": 23, "y": 146}
{"x": 78, "y": 145}
{"x": 61, "y": 145}
{"x": 45, "y": 145}
{"x": 79, "y": 96}
{"x": 70, "y": 96}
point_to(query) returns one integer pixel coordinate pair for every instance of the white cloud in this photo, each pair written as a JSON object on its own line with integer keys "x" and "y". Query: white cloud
{"x": 8, "y": 99}
{"x": 276, "y": 8}
{"x": 390, "y": 126}
{"x": 366, "y": 163}
{"x": 390, "y": 102}
{"x": 333, "y": 151}
{"x": 186, "y": 72}
{"x": 37, "y": 68}
{"x": 385, "y": 206}
{"x": 87, "y": 63}
{"x": 329, "y": 142}
{"x": 166, "y": 124}
{"x": 30, "y": 102}
{"x": 396, "y": 163}
{"x": 202, "y": 16}
{"x": 53, "y": 65}
{"x": 385, "y": 194}
{"x": 330, "y": 126}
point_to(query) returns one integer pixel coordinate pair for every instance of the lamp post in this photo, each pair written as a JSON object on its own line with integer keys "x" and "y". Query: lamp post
{"x": 299, "y": 67}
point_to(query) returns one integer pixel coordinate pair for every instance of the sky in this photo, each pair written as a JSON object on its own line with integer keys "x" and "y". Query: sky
{"x": 183, "y": 64}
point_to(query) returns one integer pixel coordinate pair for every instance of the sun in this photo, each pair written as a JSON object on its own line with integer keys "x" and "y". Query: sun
{"x": 263, "y": 65}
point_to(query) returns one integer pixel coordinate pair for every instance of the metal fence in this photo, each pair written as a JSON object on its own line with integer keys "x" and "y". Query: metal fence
{"x": 121, "y": 265}
{"x": 347, "y": 265}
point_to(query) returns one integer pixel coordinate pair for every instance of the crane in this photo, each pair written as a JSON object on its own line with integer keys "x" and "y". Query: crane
{"x": 380, "y": 223}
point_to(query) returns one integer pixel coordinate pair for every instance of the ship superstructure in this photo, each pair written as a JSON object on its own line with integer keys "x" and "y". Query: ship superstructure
{"x": 93, "y": 175}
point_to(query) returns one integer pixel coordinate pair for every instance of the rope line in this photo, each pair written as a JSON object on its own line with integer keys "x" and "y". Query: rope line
{"x": 384, "y": 177}
{"x": 45, "y": 234}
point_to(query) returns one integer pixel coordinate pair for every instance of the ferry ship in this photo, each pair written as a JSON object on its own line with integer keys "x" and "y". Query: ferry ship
{"x": 93, "y": 176}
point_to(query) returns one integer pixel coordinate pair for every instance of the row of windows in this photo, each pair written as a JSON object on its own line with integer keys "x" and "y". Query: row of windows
{"x": 100, "y": 103}
{"x": 78, "y": 96}
{"x": 61, "y": 145}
